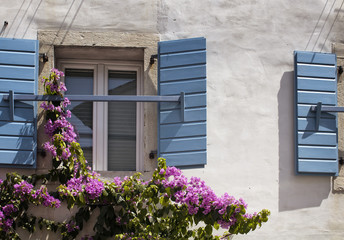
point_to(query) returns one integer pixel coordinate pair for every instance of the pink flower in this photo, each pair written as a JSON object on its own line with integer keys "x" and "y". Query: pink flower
{"x": 8, "y": 209}
{"x": 66, "y": 102}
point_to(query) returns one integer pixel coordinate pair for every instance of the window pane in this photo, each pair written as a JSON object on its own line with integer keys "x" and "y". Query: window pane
{"x": 122, "y": 123}
{"x": 80, "y": 82}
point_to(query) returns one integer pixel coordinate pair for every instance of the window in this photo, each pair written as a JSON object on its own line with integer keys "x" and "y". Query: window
{"x": 110, "y": 133}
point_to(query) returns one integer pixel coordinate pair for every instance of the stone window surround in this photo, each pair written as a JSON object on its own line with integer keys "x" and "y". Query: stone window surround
{"x": 49, "y": 40}
{"x": 338, "y": 182}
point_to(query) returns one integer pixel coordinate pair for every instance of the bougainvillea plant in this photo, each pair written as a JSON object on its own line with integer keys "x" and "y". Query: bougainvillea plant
{"x": 168, "y": 206}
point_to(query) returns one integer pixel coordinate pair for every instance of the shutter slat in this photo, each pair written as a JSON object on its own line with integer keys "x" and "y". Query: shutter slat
{"x": 197, "y": 100}
{"x": 4, "y": 103}
{"x": 20, "y": 114}
{"x": 19, "y": 73}
{"x": 18, "y": 158}
{"x": 316, "y": 150}
{"x": 316, "y": 166}
{"x": 316, "y": 84}
{"x": 186, "y": 158}
{"x": 315, "y": 58}
{"x": 316, "y": 71}
{"x": 182, "y": 68}
{"x": 16, "y": 143}
{"x": 17, "y": 129}
{"x": 305, "y": 111}
{"x": 19, "y": 45}
{"x": 182, "y": 45}
{"x": 190, "y": 72}
{"x": 17, "y": 86}
{"x": 173, "y": 88}
{"x": 180, "y": 145}
{"x": 329, "y": 139}
{"x": 182, "y": 59}
{"x": 183, "y": 130}
{"x": 191, "y": 115}
{"x": 315, "y": 97}
{"x": 326, "y": 125}
{"x": 17, "y": 58}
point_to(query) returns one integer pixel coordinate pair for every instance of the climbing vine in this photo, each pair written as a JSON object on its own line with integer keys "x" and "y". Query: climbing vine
{"x": 168, "y": 206}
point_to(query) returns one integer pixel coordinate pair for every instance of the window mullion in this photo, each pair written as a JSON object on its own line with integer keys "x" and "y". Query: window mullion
{"x": 139, "y": 123}
{"x": 104, "y": 84}
{"x": 100, "y": 122}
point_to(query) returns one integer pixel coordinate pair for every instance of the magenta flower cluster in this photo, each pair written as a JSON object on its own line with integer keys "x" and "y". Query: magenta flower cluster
{"x": 55, "y": 75}
{"x": 5, "y": 223}
{"x": 200, "y": 197}
{"x": 5, "y": 216}
{"x": 117, "y": 181}
{"x": 91, "y": 186}
{"x": 59, "y": 129}
{"x": 72, "y": 227}
{"x": 24, "y": 191}
{"x": 66, "y": 134}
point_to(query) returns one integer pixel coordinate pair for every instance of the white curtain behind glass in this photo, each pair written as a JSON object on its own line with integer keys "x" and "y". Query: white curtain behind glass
{"x": 122, "y": 122}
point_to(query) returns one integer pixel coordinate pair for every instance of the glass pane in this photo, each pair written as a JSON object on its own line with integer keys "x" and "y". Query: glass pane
{"x": 80, "y": 82}
{"x": 122, "y": 123}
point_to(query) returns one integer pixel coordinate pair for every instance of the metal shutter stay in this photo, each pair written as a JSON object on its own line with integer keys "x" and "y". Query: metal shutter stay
{"x": 319, "y": 108}
{"x": 92, "y": 98}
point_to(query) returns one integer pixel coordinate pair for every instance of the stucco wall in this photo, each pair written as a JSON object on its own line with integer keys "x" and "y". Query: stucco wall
{"x": 250, "y": 48}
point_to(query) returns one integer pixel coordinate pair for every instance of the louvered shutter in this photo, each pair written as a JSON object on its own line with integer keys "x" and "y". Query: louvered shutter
{"x": 19, "y": 73}
{"x": 182, "y": 68}
{"x": 315, "y": 81}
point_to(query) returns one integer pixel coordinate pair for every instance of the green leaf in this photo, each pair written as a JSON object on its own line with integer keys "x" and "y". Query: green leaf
{"x": 168, "y": 191}
{"x": 71, "y": 203}
{"x": 216, "y": 226}
{"x": 82, "y": 198}
{"x": 208, "y": 230}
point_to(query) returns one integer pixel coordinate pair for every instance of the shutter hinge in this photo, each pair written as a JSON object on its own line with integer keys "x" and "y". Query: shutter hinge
{"x": 43, "y": 57}
{"x": 152, "y": 59}
{"x": 4, "y": 27}
{"x": 42, "y": 152}
{"x": 152, "y": 154}
{"x": 341, "y": 161}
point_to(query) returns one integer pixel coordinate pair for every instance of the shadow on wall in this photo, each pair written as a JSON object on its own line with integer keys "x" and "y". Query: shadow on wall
{"x": 295, "y": 191}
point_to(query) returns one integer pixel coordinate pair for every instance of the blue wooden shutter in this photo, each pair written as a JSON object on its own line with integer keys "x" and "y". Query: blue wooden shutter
{"x": 182, "y": 68}
{"x": 315, "y": 81}
{"x": 19, "y": 73}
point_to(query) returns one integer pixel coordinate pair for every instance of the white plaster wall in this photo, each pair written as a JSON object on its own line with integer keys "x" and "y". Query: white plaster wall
{"x": 250, "y": 90}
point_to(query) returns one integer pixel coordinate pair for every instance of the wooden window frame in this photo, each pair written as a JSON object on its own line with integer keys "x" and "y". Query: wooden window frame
{"x": 100, "y": 112}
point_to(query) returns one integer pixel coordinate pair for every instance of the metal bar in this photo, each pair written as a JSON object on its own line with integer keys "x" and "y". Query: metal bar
{"x": 182, "y": 106}
{"x": 317, "y": 116}
{"x": 94, "y": 98}
{"x": 328, "y": 109}
{"x": 11, "y": 103}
